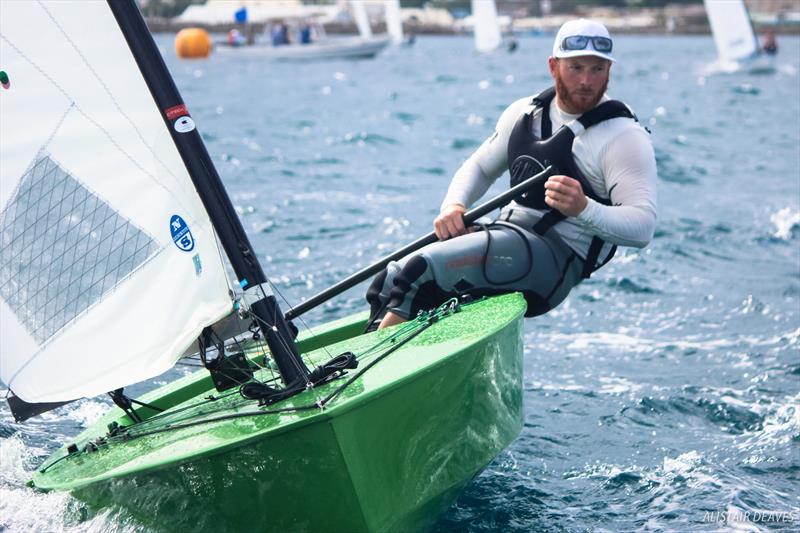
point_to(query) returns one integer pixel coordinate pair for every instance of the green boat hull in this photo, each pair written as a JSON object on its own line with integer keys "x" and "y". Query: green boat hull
{"x": 391, "y": 453}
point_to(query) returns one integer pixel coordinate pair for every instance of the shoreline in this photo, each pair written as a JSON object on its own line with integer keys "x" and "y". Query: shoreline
{"x": 162, "y": 25}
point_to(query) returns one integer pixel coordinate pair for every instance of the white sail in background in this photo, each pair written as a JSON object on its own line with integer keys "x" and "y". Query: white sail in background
{"x": 109, "y": 267}
{"x": 732, "y": 29}
{"x": 394, "y": 21}
{"x": 487, "y": 29}
{"x": 362, "y": 20}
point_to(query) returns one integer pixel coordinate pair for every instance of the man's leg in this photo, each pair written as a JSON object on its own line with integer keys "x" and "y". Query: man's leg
{"x": 390, "y": 319}
{"x": 514, "y": 260}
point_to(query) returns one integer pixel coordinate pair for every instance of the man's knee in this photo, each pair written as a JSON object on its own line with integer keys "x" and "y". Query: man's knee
{"x": 415, "y": 288}
{"x": 374, "y": 299}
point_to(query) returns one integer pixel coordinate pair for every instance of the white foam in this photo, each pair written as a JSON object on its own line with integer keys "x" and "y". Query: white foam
{"x": 785, "y": 220}
{"x": 634, "y": 343}
{"x": 781, "y": 425}
{"x": 617, "y": 385}
{"x": 24, "y": 509}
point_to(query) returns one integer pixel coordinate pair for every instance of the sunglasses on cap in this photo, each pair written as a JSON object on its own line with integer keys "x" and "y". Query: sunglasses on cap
{"x": 579, "y": 42}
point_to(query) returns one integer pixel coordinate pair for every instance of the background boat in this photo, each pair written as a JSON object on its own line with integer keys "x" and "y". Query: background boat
{"x": 737, "y": 45}
{"x": 328, "y": 48}
{"x": 321, "y": 47}
{"x": 486, "y": 29}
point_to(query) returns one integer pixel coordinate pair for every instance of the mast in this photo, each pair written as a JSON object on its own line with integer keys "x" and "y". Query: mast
{"x": 209, "y": 187}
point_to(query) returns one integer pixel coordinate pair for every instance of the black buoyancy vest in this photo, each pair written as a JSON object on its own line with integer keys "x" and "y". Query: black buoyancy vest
{"x": 528, "y": 155}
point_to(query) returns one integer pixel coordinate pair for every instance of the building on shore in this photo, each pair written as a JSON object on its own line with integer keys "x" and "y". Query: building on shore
{"x": 451, "y": 16}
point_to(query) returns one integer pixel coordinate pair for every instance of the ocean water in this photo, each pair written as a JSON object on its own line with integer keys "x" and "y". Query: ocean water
{"x": 663, "y": 395}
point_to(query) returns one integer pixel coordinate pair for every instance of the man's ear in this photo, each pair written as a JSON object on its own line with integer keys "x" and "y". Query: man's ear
{"x": 552, "y": 65}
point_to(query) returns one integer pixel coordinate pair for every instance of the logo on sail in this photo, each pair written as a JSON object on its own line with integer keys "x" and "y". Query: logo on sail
{"x": 4, "y": 80}
{"x": 181, "y": 235}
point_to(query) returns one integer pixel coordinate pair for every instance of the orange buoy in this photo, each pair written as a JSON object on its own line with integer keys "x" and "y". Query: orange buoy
{"x": 192, "y": 43}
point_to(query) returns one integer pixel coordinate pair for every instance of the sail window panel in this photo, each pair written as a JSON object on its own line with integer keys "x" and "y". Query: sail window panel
{"x": 62, "y": 217}
{"x": 11, "y": 214}
{"x": 6, "y": 278}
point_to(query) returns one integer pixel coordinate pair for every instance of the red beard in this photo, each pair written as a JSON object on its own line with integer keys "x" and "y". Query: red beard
{"x": 568, "y": 99}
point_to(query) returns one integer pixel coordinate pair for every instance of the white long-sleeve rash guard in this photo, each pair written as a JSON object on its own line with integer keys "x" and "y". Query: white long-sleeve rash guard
{"x": 617, "y": 158}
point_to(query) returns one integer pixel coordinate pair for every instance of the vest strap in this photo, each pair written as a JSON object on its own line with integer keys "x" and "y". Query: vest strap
{"x": 593, "y": 255}
{"x": 542, "y": 100}
{"x": 605, "y": 111}
{"x": 544, "y": 97}
{"x": 550, "y": 219}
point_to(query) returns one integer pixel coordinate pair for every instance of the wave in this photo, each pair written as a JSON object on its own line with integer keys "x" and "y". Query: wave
{"x": 364, "y": 138}
{"x": 463, "y": 144}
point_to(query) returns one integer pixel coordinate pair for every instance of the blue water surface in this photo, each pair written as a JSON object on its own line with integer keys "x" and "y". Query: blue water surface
{"x": 662, "y": 395}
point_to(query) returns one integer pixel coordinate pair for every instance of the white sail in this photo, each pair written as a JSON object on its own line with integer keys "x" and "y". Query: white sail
{"x": 732, "y": 29}
{"x": 487, "y": 29}
{"x": 362, "y": 20}
{"x": 394, "y": 21}
{"x": 109, "y": 267}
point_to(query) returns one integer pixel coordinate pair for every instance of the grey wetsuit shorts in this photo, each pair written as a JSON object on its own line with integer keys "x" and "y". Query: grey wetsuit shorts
{"x": 504, "y": 256}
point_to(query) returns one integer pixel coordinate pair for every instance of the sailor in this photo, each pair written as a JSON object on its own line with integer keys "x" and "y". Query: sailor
{"x": 549, "y": 240}
{"x": 235, "y": 37}
{"x": 280, "y": 34}
{"x": 769, "y": 44}
{"x": 305, "y": 33}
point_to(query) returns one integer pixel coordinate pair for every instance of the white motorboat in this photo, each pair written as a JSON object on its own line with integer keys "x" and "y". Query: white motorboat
{"x": 343, "y": 48}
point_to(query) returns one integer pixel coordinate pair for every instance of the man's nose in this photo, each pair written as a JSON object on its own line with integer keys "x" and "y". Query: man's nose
{"x": 587, "y": 78}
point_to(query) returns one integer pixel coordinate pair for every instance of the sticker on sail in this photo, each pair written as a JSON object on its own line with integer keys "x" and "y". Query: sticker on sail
{"x": 181, "y": 235}
{"x": 184, "y": 125}
{"x": 198, "y": 266}
{"x": 176, "y": 111}
{"x": 180, "y": 114}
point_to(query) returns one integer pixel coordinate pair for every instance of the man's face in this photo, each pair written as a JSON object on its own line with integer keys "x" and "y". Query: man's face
{"x": 580, "y": 81}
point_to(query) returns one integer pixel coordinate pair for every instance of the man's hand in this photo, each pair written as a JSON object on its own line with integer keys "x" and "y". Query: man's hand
{"x": 450, "y": 222}
{"x": 565, "y": 194}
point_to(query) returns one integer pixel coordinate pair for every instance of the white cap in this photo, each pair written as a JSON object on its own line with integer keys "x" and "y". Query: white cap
{"x": 587, "y": 28}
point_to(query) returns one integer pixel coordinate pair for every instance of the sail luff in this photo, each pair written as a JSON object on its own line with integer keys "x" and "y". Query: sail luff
{"x": 209, "y": 187}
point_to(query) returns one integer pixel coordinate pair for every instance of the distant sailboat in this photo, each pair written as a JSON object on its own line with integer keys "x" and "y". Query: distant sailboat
{"x": 486, "y": 27}
{"x": 736, "y": 41}
{"x": 361, "y": 18}
{"x": 394, "y": 22}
